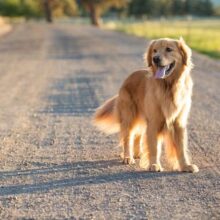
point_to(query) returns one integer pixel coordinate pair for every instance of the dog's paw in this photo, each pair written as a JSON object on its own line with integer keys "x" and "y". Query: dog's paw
{"x": 137, "y": 156}
{"x": 192, "y": 168}
{"x": 128, "y": 160}
{"x": 155, "y": 168}
{"x": 122, "y": 155}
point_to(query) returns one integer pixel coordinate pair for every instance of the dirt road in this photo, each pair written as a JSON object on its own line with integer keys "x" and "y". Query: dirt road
{"x": 55, "y": 165}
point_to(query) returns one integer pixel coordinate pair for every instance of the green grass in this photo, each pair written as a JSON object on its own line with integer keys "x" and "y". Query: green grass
{"x": 201, "y": 35}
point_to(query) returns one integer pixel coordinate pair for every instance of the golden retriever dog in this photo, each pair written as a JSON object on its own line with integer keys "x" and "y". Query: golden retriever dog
{"x": 152, "y": 108}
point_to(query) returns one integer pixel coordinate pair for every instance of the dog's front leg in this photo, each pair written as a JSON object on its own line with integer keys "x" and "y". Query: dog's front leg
{"x": 154, "y": 146}
{"x": 180, "y": 141}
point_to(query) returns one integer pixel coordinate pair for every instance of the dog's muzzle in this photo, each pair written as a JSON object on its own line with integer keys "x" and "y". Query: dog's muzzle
{"x": 164, "y": 71}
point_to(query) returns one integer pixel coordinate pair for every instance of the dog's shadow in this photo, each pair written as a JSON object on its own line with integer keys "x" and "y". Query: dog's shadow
{"x": 82, "y": 173}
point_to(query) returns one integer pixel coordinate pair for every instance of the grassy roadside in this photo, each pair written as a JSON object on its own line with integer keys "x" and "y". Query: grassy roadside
{"x": 202, "y": 35}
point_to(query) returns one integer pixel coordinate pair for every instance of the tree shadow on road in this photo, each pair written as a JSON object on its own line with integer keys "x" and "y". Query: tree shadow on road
{"x": 74, "y": 95}
{"x": 103, "y": 166}
{"x": 72, "y": 47}
{"x": 46, "y": 168}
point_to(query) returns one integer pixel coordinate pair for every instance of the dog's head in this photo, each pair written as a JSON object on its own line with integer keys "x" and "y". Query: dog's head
{"x": 168, "y": 57}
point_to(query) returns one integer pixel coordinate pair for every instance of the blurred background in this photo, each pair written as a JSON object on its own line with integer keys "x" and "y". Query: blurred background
{"x": 197, "y": 21}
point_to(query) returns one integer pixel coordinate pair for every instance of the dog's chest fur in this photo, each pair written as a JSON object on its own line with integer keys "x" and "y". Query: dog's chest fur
{"x": 175, "y": 98}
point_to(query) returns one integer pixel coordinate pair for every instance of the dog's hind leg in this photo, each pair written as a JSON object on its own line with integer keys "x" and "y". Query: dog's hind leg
{"x": 137, "y": 146}
{"x": 127, "y": 140}
{"x": 126, "y": 113}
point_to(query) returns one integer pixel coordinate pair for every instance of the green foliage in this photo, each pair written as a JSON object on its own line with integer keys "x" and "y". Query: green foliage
{"x": 217, "y": 11}
{"x": 96, "y": 8}
{"x": 137, "y": 8}
{"x": 64, "y": 8}
{"x": 34, "y": 8}
{"x": 141, "y": 7}
{"x": 70, "y": 8}
{"x": 103, "y": 5}
{"x": 27, "y": 8}
{"x": 154, "y": 8}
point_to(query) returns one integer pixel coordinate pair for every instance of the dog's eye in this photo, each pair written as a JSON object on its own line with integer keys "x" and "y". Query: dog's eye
{"x": 168, "y": 49}
{"x": 155, "y": 50}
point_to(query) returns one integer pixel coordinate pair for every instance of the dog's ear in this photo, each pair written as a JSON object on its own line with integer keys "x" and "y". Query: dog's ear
{"x": 185, "y": 52}
{"x": 148, "y": 54}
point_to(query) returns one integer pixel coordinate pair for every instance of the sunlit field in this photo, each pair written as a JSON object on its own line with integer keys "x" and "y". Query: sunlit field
{"x": 201, "y": 35}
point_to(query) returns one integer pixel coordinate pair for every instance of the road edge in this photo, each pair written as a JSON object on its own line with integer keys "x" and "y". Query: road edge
{"x": 5, "y": 27}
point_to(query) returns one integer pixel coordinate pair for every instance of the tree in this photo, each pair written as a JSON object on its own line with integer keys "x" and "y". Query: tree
{"x": 205, "y": 8}
{"x": 217, "y": 11}
{"x": 97, "y": 7}
{"x": 38, "y": 8}
{"x": 57, "y": 8}
{"x": 47, "y": 10}
{"x": 139, "y": 8}
{"x": 177, "y": 7}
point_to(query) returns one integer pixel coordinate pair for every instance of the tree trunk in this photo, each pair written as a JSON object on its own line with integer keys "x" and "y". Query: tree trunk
{"x": 95, "y": 20}
{"x": 47, "y": 10}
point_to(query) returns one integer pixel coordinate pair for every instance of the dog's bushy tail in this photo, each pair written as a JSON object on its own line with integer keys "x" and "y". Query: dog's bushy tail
{"x": 105, "y": 117}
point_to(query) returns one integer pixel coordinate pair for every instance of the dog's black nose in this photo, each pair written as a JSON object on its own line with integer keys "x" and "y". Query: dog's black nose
{"x": 156, "y": 59}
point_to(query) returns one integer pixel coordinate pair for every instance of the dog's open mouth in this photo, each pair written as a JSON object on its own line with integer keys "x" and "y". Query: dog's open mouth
{"x": 164, "y": 71}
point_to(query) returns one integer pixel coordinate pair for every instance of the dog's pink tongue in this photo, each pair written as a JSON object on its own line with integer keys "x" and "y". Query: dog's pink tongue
{"x": 160, "y": 73}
